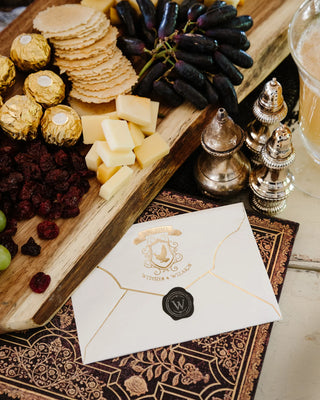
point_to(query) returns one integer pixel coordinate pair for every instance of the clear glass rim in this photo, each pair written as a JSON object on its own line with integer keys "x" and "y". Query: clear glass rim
{"x": 291, "y": 46}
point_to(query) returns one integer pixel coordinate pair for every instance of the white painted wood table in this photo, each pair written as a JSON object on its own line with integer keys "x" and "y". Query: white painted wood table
{"x": 291, "y": 369}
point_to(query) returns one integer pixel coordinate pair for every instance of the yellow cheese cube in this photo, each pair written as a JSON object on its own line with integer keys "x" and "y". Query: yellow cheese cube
{"x": 112, "y": 115}
{"x": 136, "y": 133}
{"x": 134, "y": 108}
{"x": 116, "y": 182}
{"x": 92, "y": 158}
{"x": 117, "y": 135}
{"x": 91, "y": 128}
{"x": 150, "y": 128}
{"x": 151, "y": 150}
{"x": 114, "y": 158}
{"x": 100, "y": 5}
{"x": 104, "y": 173}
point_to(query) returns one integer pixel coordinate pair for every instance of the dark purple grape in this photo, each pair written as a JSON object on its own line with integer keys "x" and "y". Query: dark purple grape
{"x": 190, "y": 74}
{"x": 160, "y": 10}
{"x": 147, "y": 36}
{"x": 195, "y": 11}
{"x": 148, "y": 12}
{"x": 144, "y": 86}
{"x": 238, "y": 57}
{"x": 131, "y": 46}
{"x": 202, "y": 61}
{"x": 183, "y": 10}
{"x": 169, "y": 20}
{"x": 227, "y": 94}
{"x": 210, "y": 93}
{"x": 189, "y": 93}
{"x": 228, "y": 68}
{"x": 165, "y": 93}
{"x": 217, "y": 4}
{"x": 243, "y": 22}
{"x": 127, "y": 15}
{"x": 227, "y": 35}
{"x": 216, "y": 17}
{"x": 246, "y": 45}
{"x": 195, "y": 43}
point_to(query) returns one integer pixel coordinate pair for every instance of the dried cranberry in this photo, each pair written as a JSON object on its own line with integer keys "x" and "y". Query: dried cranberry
{"x": 11, "y": 227}
{"x": 48, "y": 230}
{"x": 56, "y": 211}
{"x": 46, "y": 162}
{"x": 75, "y": 178}
{"x": 7, "y": 241}
{"x": 62, "y": 187}
{"x": 61, "y": 158}
{"x": 78, "y": 161}
{"x": 23, "y": 158}
{"x": 27, "y": 190}
{"x": 5, "y": 164}
{"x": 56, "y": 175}
{"x": 39, "y": 282}
{"x": 30, "y": 171}
{"x": 11, "y": 182}
{"x": 44, "y": 208}
{"x": 24, "y": 210}
{"x": 37, "y": 199}
{"x": 72, "y": 198}
{"x": 31, "y": 248}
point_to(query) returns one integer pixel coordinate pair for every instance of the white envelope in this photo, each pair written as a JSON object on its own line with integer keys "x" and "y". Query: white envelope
{"x": 212, "y": 254}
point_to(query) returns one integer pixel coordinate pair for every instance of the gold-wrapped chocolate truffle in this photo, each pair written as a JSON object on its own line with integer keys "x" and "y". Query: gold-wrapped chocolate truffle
{"x": 20, "y": 117}
{"x": 7, "y": 73}
{"x": 30, "y": 51}
{"x": 46, "y": 87}
{"x": 61, "y": 125}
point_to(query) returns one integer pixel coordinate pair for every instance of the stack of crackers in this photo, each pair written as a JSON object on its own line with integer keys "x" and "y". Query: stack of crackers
{"x": 85, "y": 48}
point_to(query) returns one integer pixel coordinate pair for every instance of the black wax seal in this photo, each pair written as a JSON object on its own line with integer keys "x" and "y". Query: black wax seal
{"x": 178, "y": 303}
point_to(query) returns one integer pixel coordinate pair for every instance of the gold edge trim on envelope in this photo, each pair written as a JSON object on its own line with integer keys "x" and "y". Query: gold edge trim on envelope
{"x": 169, "y": 229}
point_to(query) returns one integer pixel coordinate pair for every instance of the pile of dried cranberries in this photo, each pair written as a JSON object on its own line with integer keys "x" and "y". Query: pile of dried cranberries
{"x": 38, "y": 179}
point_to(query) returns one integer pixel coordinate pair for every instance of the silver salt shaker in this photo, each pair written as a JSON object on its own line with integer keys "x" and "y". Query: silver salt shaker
{"x": 272, "y": 182}
{"x": 269, "y": 109}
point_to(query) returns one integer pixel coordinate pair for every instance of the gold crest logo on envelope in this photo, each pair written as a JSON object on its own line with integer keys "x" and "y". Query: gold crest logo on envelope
{"x": 172, "y": 280}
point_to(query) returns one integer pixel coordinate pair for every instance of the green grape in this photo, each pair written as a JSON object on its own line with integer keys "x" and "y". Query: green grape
{"x": 5, "y": 257}
{"x": 3, "y": 221}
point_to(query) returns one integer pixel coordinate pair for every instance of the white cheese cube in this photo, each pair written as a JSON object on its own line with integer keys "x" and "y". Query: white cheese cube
{"x": 151, "y": 150}
{"x": 92, "y": 158}
{"x": 104, "y": 173}
{"x": 114, "y": 158}
{"x": 136, "y": 133}
{"x": 116, "y": 182}
{"x": 91, "y": 126}
{"x": 117, "y": 135}
{"x": 134, "y": 108}
{"x": 150, "y": 128}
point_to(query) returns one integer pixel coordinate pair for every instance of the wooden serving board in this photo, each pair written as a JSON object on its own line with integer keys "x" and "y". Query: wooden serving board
{"x": 86, "y": 239}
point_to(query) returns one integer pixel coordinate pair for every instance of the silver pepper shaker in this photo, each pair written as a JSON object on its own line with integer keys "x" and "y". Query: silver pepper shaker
{"x": 222, "y": 169}
{"x": 269, "y": 109}
{"x": 272, "y": 182}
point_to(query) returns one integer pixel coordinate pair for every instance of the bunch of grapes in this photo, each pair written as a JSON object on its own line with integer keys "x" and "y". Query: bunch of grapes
{"x": 188, "y": 51}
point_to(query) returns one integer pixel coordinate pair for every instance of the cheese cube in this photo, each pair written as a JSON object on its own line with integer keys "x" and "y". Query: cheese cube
{"x": 114, "y": 158}
{"x": 136, "y": 133}
{"x": 112, "y": 115}
{"x": 104, "y": 173}
{"x": 149, "y": 129}
{"x": 117, "y": 135}
{"x": 100, "y": 5}
{"x": 134, "y": 108}
{"x": 91, "y": 128}
{"x": 151, "y": 150}
{"x": 92, "y": 158}
{"x": 116, "y": 182}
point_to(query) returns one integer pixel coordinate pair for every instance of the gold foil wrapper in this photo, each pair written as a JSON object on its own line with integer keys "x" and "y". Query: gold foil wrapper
{"x": 20, "y": 117}
{"x": 7, "y": 73}
{"x": 61, "y": 125}
{"x": 46, "y": 87}
{"x": 30, "y": 51}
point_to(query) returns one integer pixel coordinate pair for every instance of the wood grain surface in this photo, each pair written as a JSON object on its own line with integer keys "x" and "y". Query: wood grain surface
{"x": 86, "y": 239}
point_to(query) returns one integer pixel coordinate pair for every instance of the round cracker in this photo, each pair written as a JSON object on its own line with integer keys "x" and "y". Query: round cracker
{"x": 62, "y": 18}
